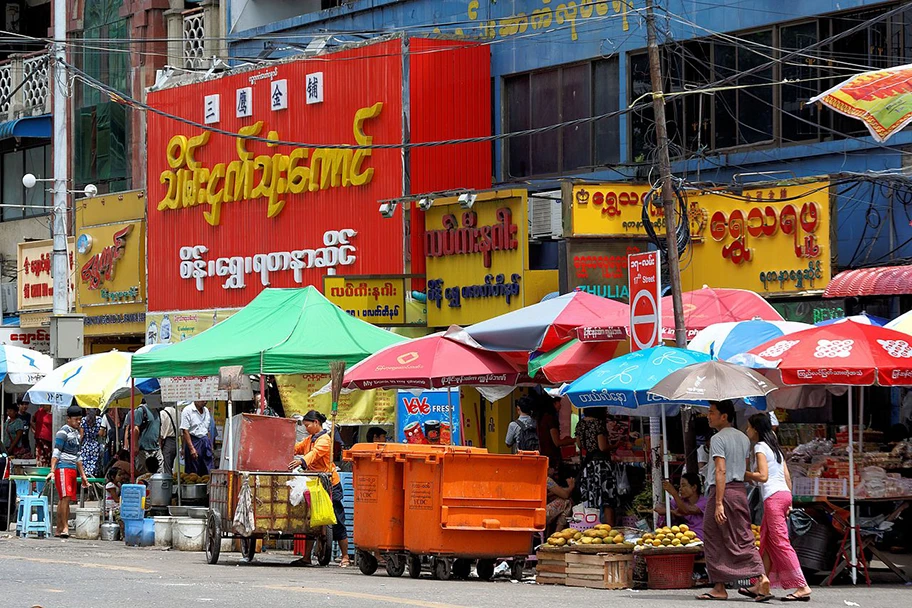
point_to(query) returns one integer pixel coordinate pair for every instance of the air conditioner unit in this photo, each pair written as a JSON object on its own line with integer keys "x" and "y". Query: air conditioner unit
{"x": 10, "y": 297}
{"x": 545, "y": 215}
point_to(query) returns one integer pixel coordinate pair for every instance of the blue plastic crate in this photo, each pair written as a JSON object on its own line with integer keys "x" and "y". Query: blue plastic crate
{"x": 132, "y": 496}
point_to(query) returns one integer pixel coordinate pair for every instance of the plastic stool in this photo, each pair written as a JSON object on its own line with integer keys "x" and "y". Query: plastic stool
{"x": 33, "y": 516}
{"x": 23, "y": 487}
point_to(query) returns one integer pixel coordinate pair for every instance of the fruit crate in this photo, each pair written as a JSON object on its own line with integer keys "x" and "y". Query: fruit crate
{"x": 551, "y": 567}
{"x": 599, "y": 571}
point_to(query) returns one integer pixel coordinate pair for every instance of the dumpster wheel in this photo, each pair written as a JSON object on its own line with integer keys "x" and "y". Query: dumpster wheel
{"x": 443, "y": 568}
{"x": 367, "y": 563}
{"x": 395, "y": 565}
{"x": 517, "y": 568}
{"x": 485, "y": 569}
{"x": 462, "y": 568}
{"x": 414, "y": 566}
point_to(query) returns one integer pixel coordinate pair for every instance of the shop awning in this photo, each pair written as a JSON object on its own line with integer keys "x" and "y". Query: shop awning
{"x": 38, "y": 127}
{"x": 880, "y": 281}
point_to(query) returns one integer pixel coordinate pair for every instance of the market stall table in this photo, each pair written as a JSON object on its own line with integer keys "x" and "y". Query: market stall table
{"x": 841, "y": 520}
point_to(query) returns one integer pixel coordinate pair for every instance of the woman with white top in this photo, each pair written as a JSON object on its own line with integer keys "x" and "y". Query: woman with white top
{"x": 772, "y": 475}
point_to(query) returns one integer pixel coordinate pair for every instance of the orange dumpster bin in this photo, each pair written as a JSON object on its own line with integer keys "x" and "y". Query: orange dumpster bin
{"x": 379, "y": 497}
{"x": 464, "y": 504}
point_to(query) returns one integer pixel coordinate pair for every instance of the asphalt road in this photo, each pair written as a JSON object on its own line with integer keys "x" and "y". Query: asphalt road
{"x": 93, "y": 574}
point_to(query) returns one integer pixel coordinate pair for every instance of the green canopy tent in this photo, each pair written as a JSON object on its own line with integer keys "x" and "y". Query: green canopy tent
{"x": 282, "y": 331}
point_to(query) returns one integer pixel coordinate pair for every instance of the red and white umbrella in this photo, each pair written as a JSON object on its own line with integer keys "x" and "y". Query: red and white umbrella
{"x": 846, "y": 353}
{"x": 706, "y": 306}
{"x": 430, "y": 362}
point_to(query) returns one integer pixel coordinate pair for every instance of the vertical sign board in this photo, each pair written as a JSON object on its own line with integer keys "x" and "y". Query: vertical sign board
{"x": 645, "y": 300}
{"x": 425, "y": 418}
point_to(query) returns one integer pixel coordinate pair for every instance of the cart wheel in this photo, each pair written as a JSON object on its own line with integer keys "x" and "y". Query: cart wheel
{"x": 213, "y": 537}
{"x": 414, "y": 566}
{"x": 323, "y": 546}
{"x": 367, "y": 563}
{"x": 248, "y": 548}
{"x": 443, "y": 568}
{"x": 462, "y": 568}
{"x": 485, "y": 569}
{"x": 517, "y": 568}
{"x": 395, "y": 565}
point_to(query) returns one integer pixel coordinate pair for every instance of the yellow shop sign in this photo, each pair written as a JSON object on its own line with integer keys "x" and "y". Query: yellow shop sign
{"x": 377, "y": 300}
{"x": 476, "y": 257}
{"x": 772, "y": 240}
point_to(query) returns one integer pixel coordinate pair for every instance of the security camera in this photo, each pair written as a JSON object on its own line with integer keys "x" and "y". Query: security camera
{"x": 467, "y": 199}
{"x": 425, "y": 203}
{"x": 387, "y": 209}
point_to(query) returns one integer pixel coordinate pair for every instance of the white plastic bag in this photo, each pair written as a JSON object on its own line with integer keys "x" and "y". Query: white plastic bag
{"x": 298, "y": 485}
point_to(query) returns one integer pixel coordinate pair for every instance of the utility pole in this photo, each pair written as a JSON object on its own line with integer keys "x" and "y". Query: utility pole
{"x": 668, "y": 203}
{"x": 60, "y": 263}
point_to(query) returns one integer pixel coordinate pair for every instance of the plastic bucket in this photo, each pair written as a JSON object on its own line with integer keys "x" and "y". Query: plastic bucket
{"x": 163, "y": 527}
{"x": 88, "y": 523}
{"x": 148, "y": 533}
{"x": 133, "y": 532}
{"x": 187, "y": 533}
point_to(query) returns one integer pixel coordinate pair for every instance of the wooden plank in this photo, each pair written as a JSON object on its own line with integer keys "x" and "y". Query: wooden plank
{"x": 559, "y": 569}
{"x": 549, "y": 580}
{"x": 584, "y": 574}
{"x": 576, "y": 582}
{"x": 583, "y": 558}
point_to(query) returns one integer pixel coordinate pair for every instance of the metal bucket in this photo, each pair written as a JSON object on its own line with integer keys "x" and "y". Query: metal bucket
{"x": 110, "y": 531}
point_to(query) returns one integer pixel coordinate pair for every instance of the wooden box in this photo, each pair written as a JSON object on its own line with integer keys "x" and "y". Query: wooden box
{"x": 600, "y": 571}
{"x": 551, "y": 568}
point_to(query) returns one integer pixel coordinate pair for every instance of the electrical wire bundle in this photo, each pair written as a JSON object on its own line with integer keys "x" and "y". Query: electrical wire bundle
{"x": 682, "y": 225}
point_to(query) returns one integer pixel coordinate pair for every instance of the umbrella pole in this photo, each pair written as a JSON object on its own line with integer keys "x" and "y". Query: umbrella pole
{"x": 130, "y": 429}
{"x": 665, "y": 467}
{"x": 852, "y": 558}
{"x": 228, "y": 444}
{"x": 655, "y": 436}
{"x": 262, "y": 387}
{"x": 177, "y": 442}
{"x": 861, "y": 419}
{"x": 450, "y": 412}
{"x": 2, "y": 411}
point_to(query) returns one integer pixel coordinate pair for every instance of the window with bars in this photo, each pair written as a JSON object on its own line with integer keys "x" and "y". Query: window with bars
{"x": 548, "y": 97}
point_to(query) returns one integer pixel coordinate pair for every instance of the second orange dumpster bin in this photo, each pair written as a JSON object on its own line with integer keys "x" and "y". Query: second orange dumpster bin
{"x": 463, "y": 504}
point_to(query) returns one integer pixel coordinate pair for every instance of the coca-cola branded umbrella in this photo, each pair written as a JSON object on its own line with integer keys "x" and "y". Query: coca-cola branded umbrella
{"x": 706, "y": 306}
{"x": 848, "y": 353}
{"x": 546, "y": 325}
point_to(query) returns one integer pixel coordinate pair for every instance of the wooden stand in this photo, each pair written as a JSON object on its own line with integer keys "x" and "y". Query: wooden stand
{"x": 604, "y": 570}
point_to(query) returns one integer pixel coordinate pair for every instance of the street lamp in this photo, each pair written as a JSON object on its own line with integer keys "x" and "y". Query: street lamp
{"x": 29, "y": 181}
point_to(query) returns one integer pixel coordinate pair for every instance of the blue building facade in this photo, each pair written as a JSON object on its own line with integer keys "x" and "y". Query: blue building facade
{"x": 554, "y": 61}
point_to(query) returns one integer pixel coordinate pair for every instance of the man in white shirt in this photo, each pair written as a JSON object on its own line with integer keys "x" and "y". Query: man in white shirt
{"x": 194, "y": 425}
{"x": 168, "y": 437}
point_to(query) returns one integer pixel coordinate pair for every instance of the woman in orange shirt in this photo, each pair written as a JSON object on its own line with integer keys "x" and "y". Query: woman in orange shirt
{"x": 313, "y": 454}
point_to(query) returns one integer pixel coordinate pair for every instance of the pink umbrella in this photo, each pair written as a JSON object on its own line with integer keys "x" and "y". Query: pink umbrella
{"x": 433, "y": 361}
{"x": 706, "y": 306}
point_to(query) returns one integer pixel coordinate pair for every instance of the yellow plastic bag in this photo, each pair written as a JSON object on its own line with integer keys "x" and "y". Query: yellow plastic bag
{"x": 321, "y": 507}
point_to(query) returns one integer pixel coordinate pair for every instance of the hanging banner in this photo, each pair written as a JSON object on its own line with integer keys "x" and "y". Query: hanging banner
{"x": 881, "y": 99}
{"x": 201, "y": 388}
{"x": 770, "y": 240}
{"x": 425, "y": 418}
{"x": 356, "y": 407}
{"x": 171, "y": 327}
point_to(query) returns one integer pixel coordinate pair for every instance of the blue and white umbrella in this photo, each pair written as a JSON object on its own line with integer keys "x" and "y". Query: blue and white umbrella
{"x": 23, "y": 367}
{"x": 725, "y": 340}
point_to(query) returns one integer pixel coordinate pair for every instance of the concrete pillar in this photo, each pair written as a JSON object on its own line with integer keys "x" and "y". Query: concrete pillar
{"x": 213, "y": 27}
{"x": 17, "y": 100}
{"x": 174, "y": 23}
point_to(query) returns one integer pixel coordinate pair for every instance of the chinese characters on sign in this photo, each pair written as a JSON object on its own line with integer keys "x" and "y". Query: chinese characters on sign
{"x": 278, "y": 97}
{"x": 770, "y": 240}
{"x": 244, "y": 102}
{"x": 211, "y": 109}
{"x": 314, "y": 88}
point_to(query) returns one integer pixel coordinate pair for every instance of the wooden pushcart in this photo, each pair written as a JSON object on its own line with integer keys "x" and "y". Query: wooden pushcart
{"x": 273, "y": 514}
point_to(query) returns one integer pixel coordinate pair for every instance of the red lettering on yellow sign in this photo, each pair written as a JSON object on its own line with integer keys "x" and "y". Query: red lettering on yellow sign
{"x": 765, "y": 222}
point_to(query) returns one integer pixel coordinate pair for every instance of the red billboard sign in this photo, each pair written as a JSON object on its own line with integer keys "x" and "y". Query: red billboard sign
{"x": 645, "y": 300}
{"x": 230, "y": 215}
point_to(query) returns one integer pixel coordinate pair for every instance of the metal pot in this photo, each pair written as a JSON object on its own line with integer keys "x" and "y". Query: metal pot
{"x": 193, "y": 491}
{"x": 110, "y": 531}
{"x": 160, "y": 490}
